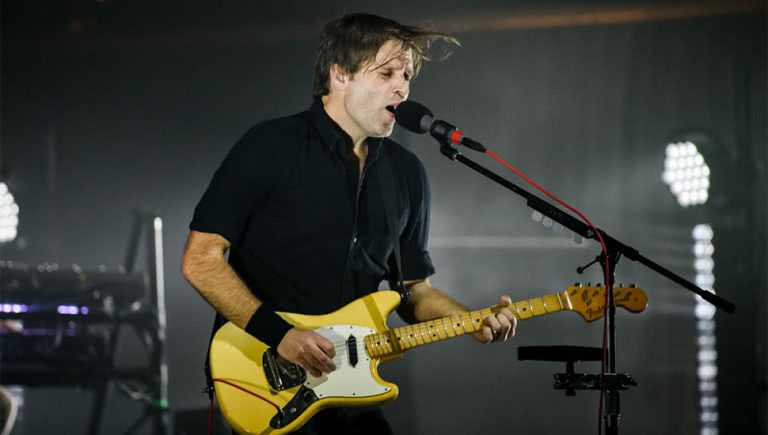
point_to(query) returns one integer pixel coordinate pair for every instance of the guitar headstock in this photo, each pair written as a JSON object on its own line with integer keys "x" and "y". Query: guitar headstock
{"x": 589, "y": 301}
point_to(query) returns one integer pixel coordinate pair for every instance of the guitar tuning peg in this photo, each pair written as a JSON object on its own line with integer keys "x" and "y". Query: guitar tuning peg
{"x": 589, "y": 284}
{"x": 577, "y": 284}
{"x": 621, "y": 284}
{"x": 632, "y": 285}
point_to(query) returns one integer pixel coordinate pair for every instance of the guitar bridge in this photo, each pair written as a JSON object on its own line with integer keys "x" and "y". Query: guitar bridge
{"x": 281, "y": 373}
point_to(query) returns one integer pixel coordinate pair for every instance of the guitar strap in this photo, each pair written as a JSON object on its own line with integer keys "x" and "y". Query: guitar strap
{"x": 387, "y": 185}
{"x": 218, "y": 321}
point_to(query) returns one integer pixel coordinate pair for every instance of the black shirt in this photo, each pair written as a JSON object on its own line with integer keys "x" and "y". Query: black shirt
{"x": 308, "y": 231}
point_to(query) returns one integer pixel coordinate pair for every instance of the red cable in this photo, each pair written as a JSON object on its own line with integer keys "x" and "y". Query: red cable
{"x": 231, "y": 384}
{"x": 607, "y": 268}
{"x": 210, "y": 418}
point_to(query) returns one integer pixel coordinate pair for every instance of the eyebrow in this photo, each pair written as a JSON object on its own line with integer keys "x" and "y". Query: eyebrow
{"x": 400, "y": 63}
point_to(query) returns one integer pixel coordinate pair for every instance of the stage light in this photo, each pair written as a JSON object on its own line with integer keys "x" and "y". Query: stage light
{"x": 704, "y": 266}
{"x": 9, "y": 215}
{"x": 686, "y": 173}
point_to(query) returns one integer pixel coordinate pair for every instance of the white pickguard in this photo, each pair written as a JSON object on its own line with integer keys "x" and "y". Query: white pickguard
{"x": 346, "y": 381}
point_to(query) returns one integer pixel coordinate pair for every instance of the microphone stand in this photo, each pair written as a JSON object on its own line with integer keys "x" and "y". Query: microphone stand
{"x": 612, "y": 382}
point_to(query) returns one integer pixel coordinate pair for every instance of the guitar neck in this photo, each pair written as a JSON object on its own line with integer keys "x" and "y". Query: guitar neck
{"x": 400, "y": 339}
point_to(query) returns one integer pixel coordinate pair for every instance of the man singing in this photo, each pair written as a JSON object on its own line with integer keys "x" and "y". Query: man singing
{"x": 298, "y": 205}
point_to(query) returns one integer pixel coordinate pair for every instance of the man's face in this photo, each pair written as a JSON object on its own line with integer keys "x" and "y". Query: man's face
{"x": 383, "y": 82}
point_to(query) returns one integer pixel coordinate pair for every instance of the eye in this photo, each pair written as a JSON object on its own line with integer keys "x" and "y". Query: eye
{"x": 407, "y": 77}
{"x": 386, "y": 73}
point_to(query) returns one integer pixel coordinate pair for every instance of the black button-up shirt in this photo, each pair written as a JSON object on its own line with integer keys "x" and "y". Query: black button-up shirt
{"x": 308, "y": 231}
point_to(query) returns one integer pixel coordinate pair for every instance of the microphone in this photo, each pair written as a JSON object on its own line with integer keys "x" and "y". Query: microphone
{"x": 418, "y": 119}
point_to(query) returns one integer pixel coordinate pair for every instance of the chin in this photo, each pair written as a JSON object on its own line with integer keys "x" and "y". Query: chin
{"x": 386, "y": 132}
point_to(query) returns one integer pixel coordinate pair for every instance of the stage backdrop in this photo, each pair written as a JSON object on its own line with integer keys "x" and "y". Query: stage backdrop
{"x": 138, "y": 111}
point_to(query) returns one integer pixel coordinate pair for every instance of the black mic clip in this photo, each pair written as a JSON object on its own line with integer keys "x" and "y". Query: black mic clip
{"x": 442, "y": 130}
{"x": 439, "y": 130}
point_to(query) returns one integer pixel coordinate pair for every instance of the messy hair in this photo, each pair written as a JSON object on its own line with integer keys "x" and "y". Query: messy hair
{"x": 354, "y": 40}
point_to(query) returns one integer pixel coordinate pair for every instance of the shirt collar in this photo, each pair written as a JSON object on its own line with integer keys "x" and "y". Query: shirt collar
{"x": 334, "y": 137}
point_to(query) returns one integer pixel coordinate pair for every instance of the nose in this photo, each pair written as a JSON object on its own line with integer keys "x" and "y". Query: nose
{"x": 402, "y": 89}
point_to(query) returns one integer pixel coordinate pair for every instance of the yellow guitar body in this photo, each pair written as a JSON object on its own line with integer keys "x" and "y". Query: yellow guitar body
{"x": 237, "y": 358}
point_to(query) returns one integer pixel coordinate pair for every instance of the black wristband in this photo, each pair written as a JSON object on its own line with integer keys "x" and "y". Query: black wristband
{"x": 267, "y": 326}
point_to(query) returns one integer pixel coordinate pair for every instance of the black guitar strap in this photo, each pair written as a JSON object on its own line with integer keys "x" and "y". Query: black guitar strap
{"x": 218, "y": 321}
{"x": 387, "y": 184}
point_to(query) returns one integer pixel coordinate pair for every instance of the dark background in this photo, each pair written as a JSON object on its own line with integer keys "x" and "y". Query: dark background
{"x": 114, "y": 106}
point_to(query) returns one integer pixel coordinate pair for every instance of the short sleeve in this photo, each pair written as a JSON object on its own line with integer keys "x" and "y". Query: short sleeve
{"x": 241, "y": 182}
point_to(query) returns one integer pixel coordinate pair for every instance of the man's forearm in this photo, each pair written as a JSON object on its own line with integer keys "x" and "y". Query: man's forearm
{"x": 218, "y": 283}
{"x": 426, "y": 303}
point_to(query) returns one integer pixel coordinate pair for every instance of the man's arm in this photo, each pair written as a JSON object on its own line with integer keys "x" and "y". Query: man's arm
{"x": 426, "y": 303}
{"x": 205, "y": 266}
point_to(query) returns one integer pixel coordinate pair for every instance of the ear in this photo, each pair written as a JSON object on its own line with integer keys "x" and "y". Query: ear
{"x": 338, "y": 78}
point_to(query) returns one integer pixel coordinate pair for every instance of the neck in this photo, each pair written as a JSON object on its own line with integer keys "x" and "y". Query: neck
{"x": 398, "y": 340}
{"x": 334, "y": 107}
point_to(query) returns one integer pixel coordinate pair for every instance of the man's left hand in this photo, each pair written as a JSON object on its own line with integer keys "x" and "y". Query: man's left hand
{"x": 500, "y": 326}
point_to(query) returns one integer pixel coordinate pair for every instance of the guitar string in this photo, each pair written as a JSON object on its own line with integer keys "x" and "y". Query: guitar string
{"x": 421, "y": 330}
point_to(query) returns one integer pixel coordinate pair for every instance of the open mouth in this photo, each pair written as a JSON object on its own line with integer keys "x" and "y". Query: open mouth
{"x": 390, "y": 112}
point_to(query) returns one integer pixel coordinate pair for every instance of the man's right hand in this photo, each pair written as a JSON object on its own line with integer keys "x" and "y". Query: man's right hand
{"x": 313, "y": 352}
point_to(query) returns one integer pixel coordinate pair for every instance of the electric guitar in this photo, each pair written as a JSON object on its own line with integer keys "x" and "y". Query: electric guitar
{"x": 259, "y": 392}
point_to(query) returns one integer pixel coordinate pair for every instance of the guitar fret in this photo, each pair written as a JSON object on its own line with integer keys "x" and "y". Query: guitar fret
{"x": 398, "y": 340}
{"x": 449, "y": 331}
{"x": 477, "y": 322}
{"x": 417, "y": 335}
{"x": 471, "y": 319}
{"x": 406, "y": 340}
{"x": 378, "y": 343}
{"x": 424, "y": 333}
{"x": 390, "y": 342}
{"x": 414, "y": 336}
{"x": 445, "y": 329}
{"x": 432, "y": 330}
{"x": 446, "y": 323}
{"x": 404, "y": 334}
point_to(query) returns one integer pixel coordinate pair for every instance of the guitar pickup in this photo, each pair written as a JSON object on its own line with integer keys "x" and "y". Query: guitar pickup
{"x": 352, "y": 350}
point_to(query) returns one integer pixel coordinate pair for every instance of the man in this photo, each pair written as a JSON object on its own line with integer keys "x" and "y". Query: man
{"x": 298, "y": 205}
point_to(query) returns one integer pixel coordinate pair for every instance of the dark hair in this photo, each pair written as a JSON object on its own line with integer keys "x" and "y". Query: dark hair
{"x": 354, "y": 39}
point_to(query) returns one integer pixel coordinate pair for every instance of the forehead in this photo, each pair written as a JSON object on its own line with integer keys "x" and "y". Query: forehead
{"x": 394, "y": 54}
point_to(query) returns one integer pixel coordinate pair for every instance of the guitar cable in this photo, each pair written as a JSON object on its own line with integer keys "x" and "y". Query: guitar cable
{"x": 607, "y": 268}
{"x": 245, "y": 390}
